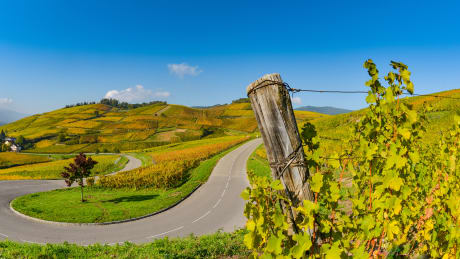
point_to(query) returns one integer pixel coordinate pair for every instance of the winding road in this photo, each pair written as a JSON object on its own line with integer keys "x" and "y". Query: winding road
{"x": 215, "y": 205}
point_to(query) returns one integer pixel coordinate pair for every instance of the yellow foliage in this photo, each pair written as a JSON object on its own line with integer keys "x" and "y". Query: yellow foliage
{"x": 261, "y": 152}
{"x": 51, "y": 170}
{"x": 86, "y": 124}
{"x": 135, "y": 118}
{"x": 239, "y": 113}
{"x": 65, "y": 122}
{"x": 109, "y": 118}
{"x": 77, "y": 131}
{"x": 10, "y": 159}
{"x": 44, "y": 143}
{"x": 41, "y": 133}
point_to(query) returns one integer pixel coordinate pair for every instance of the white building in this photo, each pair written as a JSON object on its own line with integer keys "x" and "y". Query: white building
{"x": 15, "y": 148}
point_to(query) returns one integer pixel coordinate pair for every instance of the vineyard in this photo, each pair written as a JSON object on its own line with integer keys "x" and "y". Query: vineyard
{"x": 9, "y": 159}
{"x": 52, "y": 170}
{"x": 390, "y": 190}
{"x": 440, "y": 116}
{"x": 178, "y": 170}
{"x": 99, "y": 127}
{"x": 171, "y": 168}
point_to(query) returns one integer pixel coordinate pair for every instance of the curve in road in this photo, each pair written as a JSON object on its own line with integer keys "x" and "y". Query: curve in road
{"x": 215, "y": 205}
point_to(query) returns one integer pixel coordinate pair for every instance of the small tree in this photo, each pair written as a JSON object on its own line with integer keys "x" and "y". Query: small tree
{"x": 20, "y": 141}
{"x": 2, "y": 135}
{"x": 61, "y": 137}
{"x": 78, "y": 170}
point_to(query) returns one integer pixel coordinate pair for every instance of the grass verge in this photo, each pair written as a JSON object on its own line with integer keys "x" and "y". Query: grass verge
{"x": 218, "y": 245}
{"x": 105, "y": 205}
{"x": 144, "y": 157}
{"x": 258, "y": 164}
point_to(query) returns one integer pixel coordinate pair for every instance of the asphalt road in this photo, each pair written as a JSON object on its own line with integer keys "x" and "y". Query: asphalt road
{"x": 215, "y": 205}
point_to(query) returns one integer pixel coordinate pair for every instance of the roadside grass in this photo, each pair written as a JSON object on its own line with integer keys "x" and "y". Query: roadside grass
{"x": 258, "y": 164}
{"x": 52, "y": 170}
{"x": 105, "y": 205}
{"x": 145, "y": 158}
{"x": 217, "y": 245}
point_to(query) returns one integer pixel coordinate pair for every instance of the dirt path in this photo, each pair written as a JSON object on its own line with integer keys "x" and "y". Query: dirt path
{"x": 158, "y": 113}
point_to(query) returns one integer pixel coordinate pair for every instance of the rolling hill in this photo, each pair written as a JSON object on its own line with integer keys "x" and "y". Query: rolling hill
{"x": 439, "y": 118}
{"x": 100, "y": 127}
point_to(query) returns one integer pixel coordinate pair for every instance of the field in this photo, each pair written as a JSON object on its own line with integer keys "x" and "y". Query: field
{"x": 10, "y": 159}
{"x": 110, "y": 204}
{"x": 52, "y": 170}
{"x": 99, "y": 127}
{"x": 218, "y": 245}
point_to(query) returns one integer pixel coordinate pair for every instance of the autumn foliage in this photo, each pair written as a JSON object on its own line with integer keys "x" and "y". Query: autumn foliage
{"x": 170, "y": 169}
{"x": 78, "y": 170}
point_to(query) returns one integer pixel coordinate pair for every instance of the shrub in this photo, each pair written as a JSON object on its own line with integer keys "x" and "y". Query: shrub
{"x": 90, "y": 181}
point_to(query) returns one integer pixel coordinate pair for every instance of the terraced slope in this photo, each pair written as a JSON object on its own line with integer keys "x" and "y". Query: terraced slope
{"x": 99, "y": 127}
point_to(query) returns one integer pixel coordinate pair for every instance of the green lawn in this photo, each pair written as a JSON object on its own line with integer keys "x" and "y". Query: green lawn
{"x": 258, "y": 164}
{"x": 105, "y": 205}
{"x": 218, "y": 245}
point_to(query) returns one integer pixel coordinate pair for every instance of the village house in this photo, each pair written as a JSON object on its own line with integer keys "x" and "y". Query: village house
{"x": 15, "y": 148}
{"x": 10, "y": 141}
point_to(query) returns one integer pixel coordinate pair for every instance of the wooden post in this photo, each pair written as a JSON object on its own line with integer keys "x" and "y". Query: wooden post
{"x": 273, "y": 110}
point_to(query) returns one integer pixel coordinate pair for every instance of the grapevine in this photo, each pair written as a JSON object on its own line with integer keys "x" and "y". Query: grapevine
{"x": 384, "y": 196}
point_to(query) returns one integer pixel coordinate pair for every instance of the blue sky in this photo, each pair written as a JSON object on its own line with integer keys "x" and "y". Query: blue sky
{"x": 54, "y": 53}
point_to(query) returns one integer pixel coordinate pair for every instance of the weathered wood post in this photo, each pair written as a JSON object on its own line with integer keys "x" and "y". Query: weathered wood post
{"x": 273, "y": 110}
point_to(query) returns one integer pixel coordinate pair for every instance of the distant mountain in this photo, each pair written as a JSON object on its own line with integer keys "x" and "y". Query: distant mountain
{"x": 323, "y": 109}
{"x": 7, "y": 116}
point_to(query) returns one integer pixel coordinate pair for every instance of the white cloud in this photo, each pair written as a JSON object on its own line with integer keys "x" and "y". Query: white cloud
{"x": 136, "y": 94}
{"x": 162, "y": 94}
{"x": 183, "y": 69}
{"x": 297, "y": 100}
{"x": 6, "y": 100}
